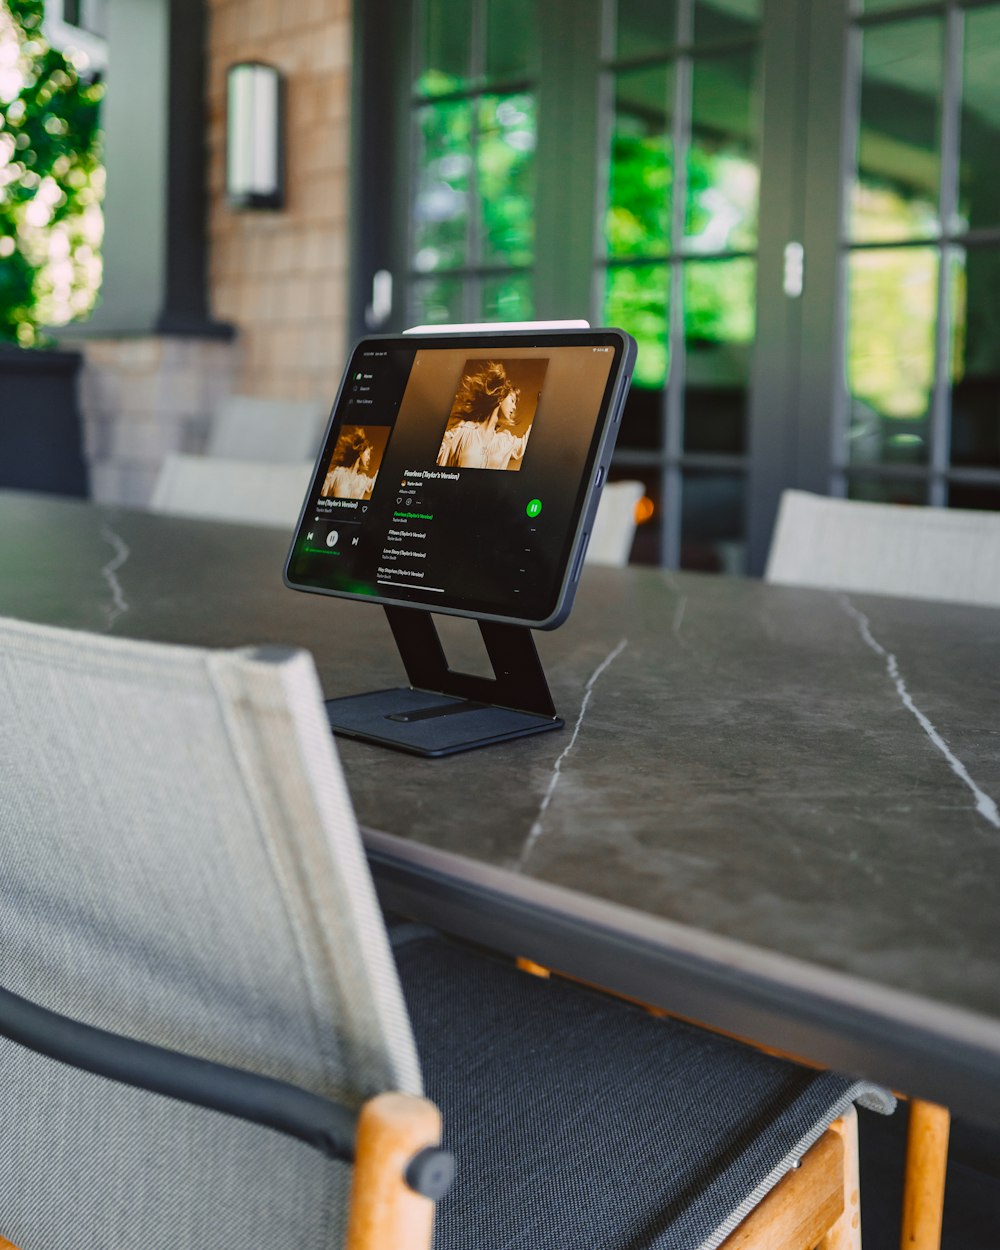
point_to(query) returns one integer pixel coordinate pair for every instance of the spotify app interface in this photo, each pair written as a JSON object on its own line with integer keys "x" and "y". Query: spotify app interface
{"x": 453, "y": 475}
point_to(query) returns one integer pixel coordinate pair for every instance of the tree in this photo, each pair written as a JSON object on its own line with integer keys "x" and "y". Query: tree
{"x": 51, "y": 180}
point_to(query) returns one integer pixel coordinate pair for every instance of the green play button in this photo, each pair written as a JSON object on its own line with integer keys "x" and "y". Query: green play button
{"x": 534, "y": 507}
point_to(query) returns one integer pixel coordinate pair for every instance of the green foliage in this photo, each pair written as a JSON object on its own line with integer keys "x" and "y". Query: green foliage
{"x": 638, "y": 216}
{"x": 51, "y": 180}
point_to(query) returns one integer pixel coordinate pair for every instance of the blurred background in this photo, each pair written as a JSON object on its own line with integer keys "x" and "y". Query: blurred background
{"x": 791, "y": 205}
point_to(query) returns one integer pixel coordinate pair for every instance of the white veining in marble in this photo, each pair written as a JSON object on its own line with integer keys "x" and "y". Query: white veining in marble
{"x": 679, "y": 617}
{"x": 119, "y": 604}
{"x": 985, "y": 806}
{"x": 536, "y": 829}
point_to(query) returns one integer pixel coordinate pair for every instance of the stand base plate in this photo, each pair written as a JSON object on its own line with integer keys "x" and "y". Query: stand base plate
{"x": 426, "y": 723}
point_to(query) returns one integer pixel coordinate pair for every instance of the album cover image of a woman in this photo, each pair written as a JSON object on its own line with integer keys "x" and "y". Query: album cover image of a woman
{"x": 492, "y": 414}
{"x": 354, "y": 465}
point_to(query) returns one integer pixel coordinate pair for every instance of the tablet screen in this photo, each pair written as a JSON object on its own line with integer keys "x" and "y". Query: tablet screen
{"x": 460, "y": 472}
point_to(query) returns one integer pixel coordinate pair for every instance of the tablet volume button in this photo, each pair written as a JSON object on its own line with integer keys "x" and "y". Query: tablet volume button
{"x": 579, "y": 558}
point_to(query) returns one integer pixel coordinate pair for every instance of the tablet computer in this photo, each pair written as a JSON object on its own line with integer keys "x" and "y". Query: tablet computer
{"x": 460, "y": 473}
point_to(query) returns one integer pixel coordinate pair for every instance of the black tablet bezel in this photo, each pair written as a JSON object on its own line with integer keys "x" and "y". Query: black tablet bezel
{"x": 559, "y": 597}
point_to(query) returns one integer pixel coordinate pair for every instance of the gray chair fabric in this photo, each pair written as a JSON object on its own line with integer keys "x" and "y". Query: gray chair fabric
{"x": 582, "y": 1121}
{"x": 887, "y": 549}
{"x": 181, "y": 864}
{"x": 276, "y": 431}
{"x": 231, "y": 490}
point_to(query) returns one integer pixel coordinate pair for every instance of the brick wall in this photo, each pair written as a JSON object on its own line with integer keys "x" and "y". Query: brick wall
{"x": 141, "y": 398}
{"x": 281, "y": 277}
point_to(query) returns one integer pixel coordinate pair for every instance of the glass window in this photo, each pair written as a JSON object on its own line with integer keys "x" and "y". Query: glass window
{"x": 979, "y": 188}
{"x": 645, "y": 26}
{"x": 637, "y": 222}
{"x": 892, "y": 314}
{"x": 635, "y": 298}
{"x": 712, "y": 526}
{"x": 975, "y": 371}
{"x": 441, "y": 209}
{"x": 511, "y": 39}
{"x": 718, "y": 333}
{"x": 722, "y": 172}
{"x": 725, "y": 19}
{"x": 505, "y": 167}
{"x": 435, "y": 302}
{"x": 882, "y": 6}
{"x": 895, "y": 192}
{"x": 887, "y": 490}
{"x": 444, "y": 64}
{"x": 507, "y": 298}
{"x": 474, "y": 186}
{"x": 967, "y": 495}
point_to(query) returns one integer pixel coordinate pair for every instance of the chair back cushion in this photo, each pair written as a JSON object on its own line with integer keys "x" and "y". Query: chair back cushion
{"x": 231, "y": 490}
{"x": 949, "y": 554}
{"x": 279, "y": 431}
{"x": 181, "y": 864}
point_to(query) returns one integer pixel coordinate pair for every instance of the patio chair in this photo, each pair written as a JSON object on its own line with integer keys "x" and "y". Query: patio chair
{"x": 886, "y": 549}
{"x": 183, "y": 885}
{"x": 274, "y": 431}
{"x": 231, "y": 490}
{"x": 614, "y": 524}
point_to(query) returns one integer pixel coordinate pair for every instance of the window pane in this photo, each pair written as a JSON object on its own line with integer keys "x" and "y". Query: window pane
{"x": 511, "y": 39}
{"x": 892, "y": 302}
{"x": 505, "y": 166}
{"x": 883, "y": 6}
{"x": 975, "y": 414}
{"x": 635, "y": 299}
{"x": 723, "y": 177}
{"x": 886, "y": 490}
{"x": 718, "y": 331}
{"x": 725, "y": 19}
{"x": 441, "y": 209}
{"x": 646, "y": 26}
{"x": 895, "y": 192}
{"x": 979, "y": 190}
{"x": 642, "y": 420}
{"x": 968, "y": 495}
{"x": 444, "y": 64}
{"x": 510, "y": 298}
{"x": 435, "y": 301}
{"x": 638, "y": 217}
{"x": 712, "y": 525}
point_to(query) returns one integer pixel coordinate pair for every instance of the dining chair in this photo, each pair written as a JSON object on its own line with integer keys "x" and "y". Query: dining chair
{"x": 273, "y": 431}
{"x": 614, "y": 525}
{"x": 223, "y": 489}
{"x": 203, "y": 1011}
{"x": 888, "y": 549}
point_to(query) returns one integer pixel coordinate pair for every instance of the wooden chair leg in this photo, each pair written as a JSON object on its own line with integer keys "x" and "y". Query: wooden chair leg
{"x": 385, "y": 1213}
{"x": 801, "y": 1207}
{"x": 6, "y": 1245}
{"x": 845, "y": 1234}
{"x": 926, "y": 1168}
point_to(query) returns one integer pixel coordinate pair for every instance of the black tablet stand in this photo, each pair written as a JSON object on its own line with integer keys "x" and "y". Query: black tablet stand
{"x": 443, "y": 711}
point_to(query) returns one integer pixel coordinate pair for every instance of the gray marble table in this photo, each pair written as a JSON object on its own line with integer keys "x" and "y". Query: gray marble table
{"x": 773, "y": 810}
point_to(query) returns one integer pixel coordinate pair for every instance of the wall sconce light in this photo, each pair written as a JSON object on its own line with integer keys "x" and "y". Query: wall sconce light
{"x": 255, "y": 157}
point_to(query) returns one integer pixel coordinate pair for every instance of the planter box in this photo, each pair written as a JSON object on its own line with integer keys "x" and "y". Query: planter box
{"x": 40, "y": 435}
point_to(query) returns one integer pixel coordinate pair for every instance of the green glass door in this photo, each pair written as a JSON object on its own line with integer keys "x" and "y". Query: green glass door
{"x": 790, "y": 205}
